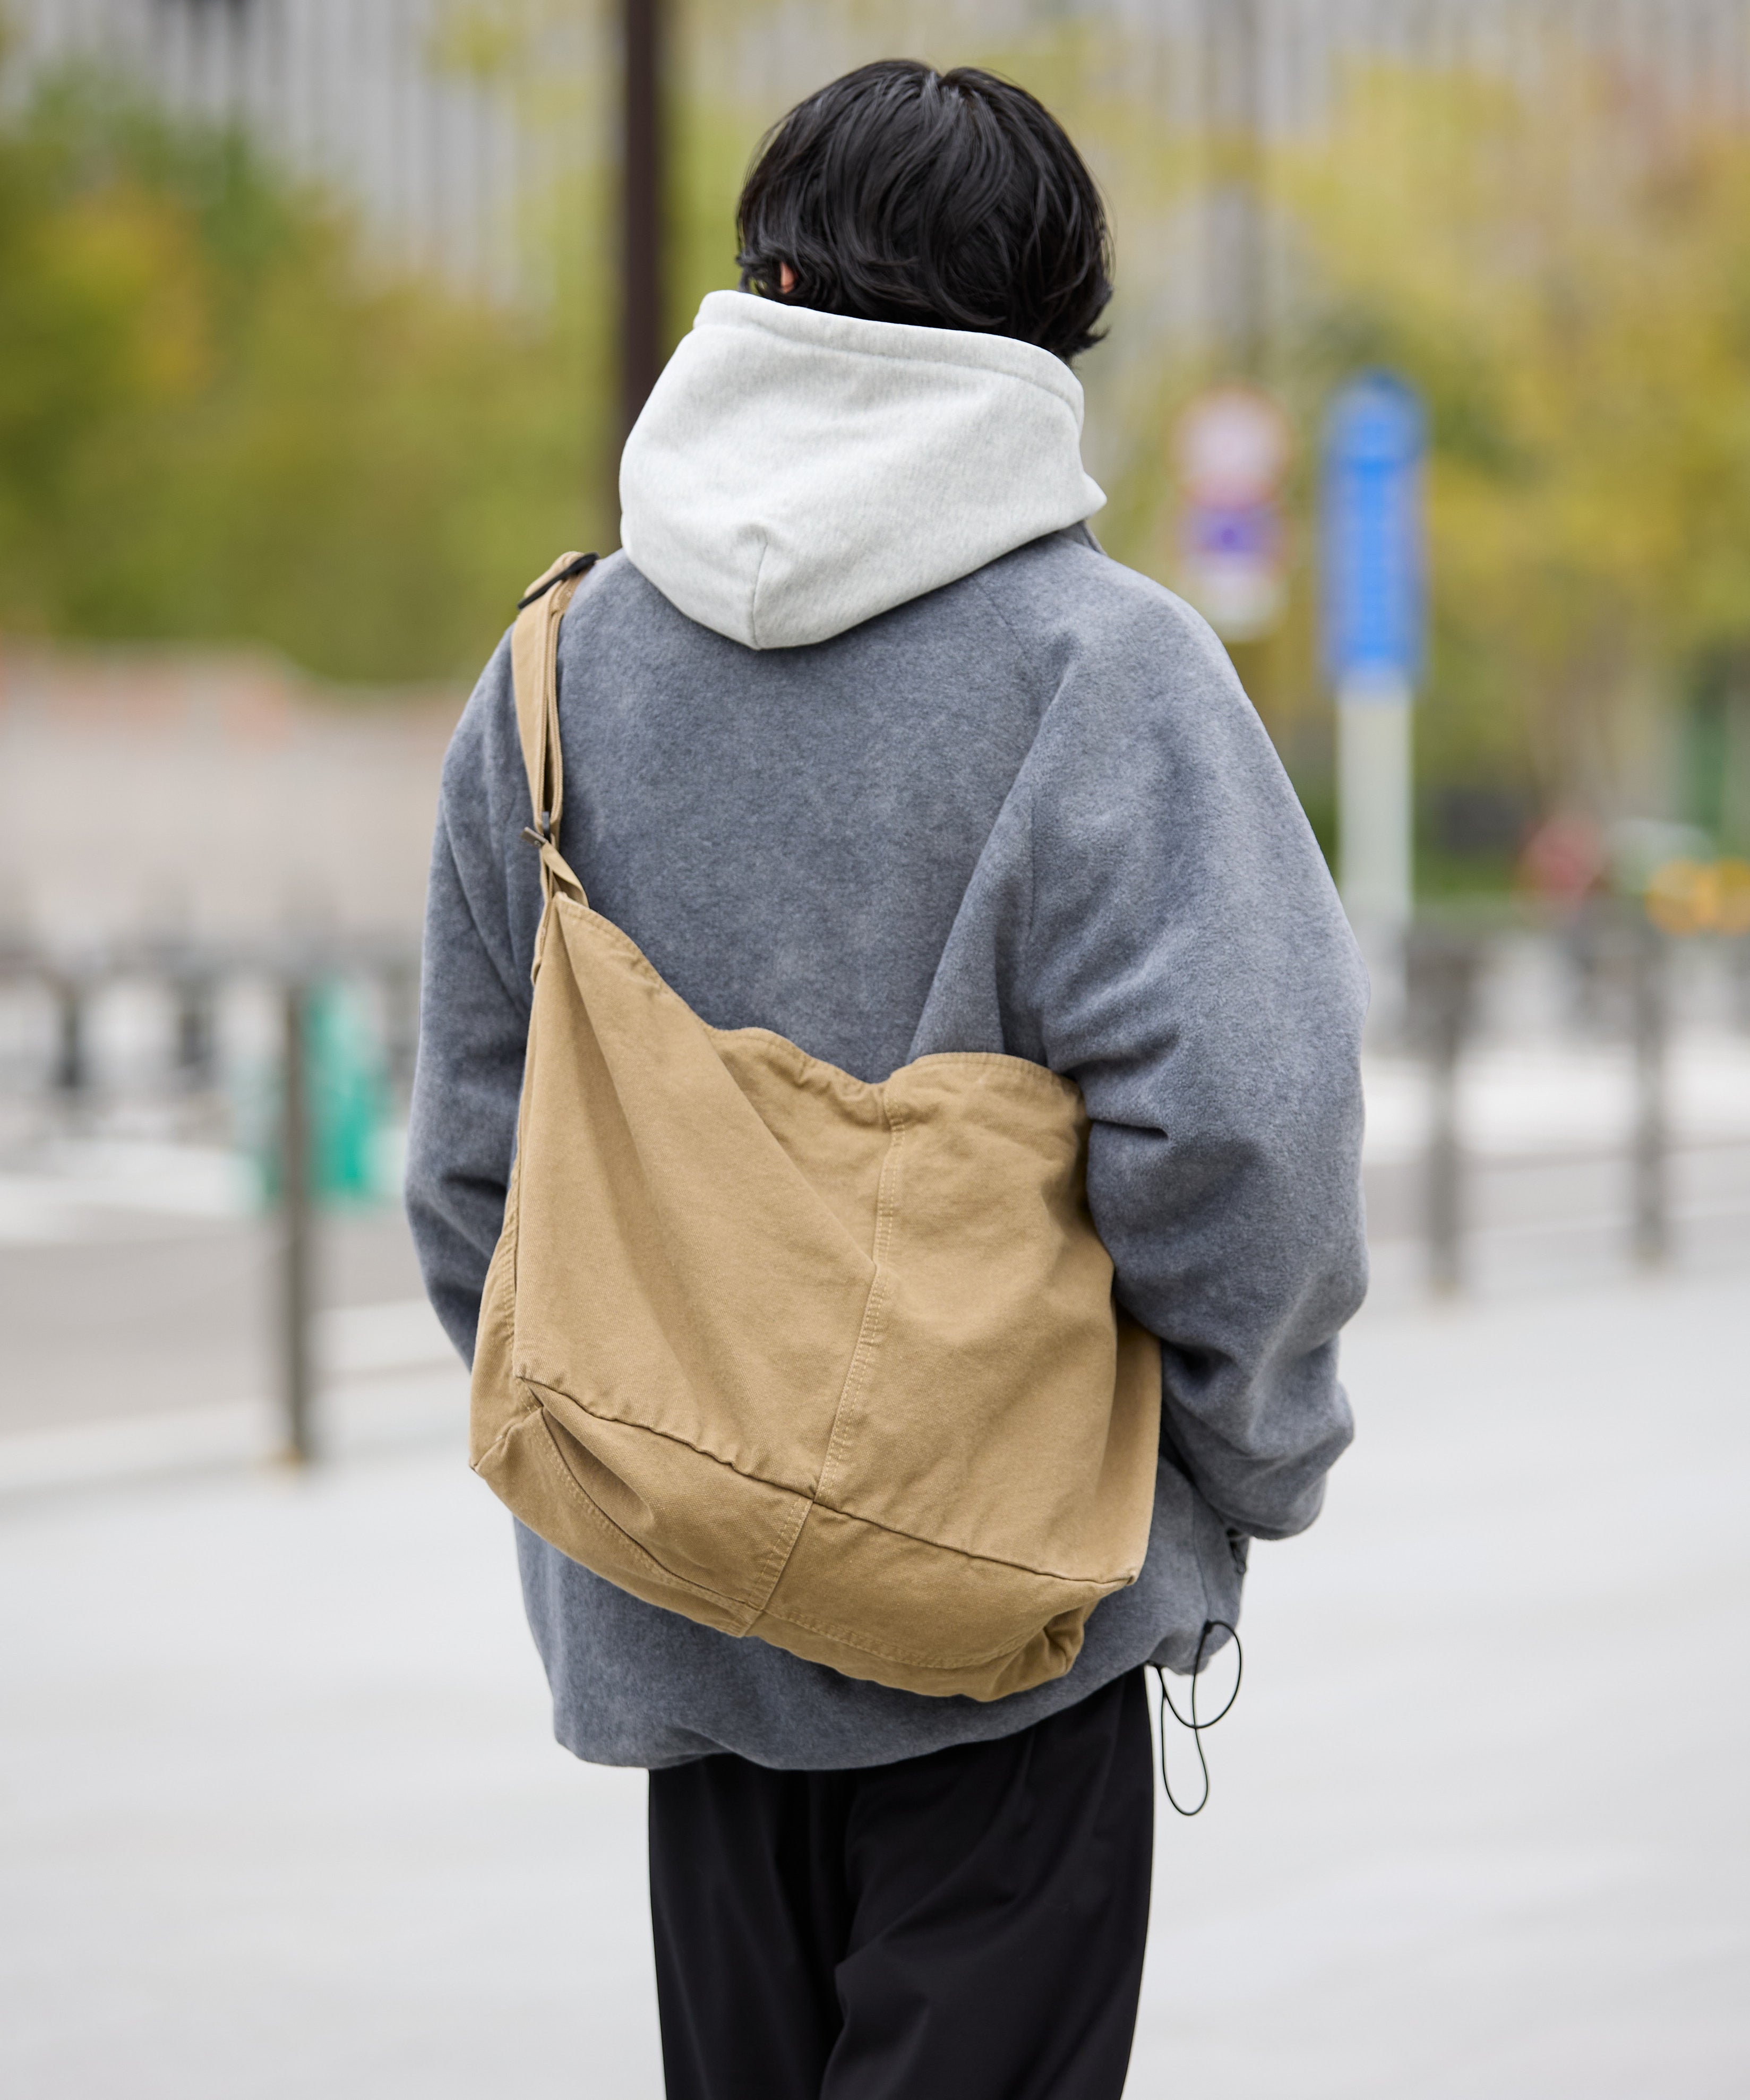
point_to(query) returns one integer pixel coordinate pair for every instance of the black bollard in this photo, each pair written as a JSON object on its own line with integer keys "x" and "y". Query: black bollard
{"x": 72, "y": 1072}
{"x": 400, "y": 988}
{"x": 1649, "y": 1001}
{"x": 196, "y": 1048}
{"x": 296, "y": 1249}
{"x": 1443, "y": 974}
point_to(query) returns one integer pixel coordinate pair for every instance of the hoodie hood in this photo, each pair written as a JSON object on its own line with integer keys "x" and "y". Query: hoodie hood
{"x": 796, "y": 473}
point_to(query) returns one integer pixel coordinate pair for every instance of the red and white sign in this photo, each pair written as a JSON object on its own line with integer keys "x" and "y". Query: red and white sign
{"x": 1234, "y": 447}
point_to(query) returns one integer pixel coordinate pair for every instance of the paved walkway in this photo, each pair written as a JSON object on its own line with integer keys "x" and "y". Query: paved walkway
{"x": 281, "y": 1817}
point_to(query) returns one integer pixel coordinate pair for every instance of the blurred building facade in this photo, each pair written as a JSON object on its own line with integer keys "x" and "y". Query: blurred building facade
{"x": 166, "y": 797}
{"x": 414, "y": 109}
{"x": 449, "y": 121}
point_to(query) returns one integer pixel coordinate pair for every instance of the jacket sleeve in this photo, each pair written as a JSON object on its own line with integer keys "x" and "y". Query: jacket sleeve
{"x": 1187, "y": 961}
{"x": 481, "y": 908}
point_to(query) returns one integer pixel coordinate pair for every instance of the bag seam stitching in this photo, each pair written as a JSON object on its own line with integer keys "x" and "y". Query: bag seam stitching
{"x": 498, "y": 1442}
{"x": 540, "y": 1386}
{"x": 813, "y": 1501}
{"x": 569, "y": 1480}
{"x": 873, "y": 1327}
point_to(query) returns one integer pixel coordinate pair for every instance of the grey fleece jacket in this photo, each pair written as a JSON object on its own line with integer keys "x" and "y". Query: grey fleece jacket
{"x": 1031, "y": 812}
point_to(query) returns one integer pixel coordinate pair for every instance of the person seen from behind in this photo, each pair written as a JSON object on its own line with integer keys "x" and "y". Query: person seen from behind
{"x": 874, "y": 764}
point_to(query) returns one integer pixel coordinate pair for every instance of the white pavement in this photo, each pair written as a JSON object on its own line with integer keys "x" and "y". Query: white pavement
{"x": 280, "y": 1814}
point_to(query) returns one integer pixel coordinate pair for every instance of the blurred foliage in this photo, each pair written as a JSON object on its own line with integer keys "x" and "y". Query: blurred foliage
{"x": 217, "y": 420}
{"x": 221, "y": 415}
{"x": 1567, "y": 278}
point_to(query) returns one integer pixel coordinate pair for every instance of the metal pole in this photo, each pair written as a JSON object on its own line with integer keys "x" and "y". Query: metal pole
{"x": 1375, "y": 825}
{"x": 296, "y": 1266}
{"x": 1450, "y": 977}
{"x": 71, "y": 1072}
{"x": 400, "y": 988}
{"x": 642, "y": 286}
{"x": 1233, "y": 97}
{"x": 1649, "y": 987}
{"x": 194, "y": 1028}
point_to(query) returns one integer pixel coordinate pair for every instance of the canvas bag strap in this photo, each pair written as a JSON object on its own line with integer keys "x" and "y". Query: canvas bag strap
{"x": 535, "y": 674}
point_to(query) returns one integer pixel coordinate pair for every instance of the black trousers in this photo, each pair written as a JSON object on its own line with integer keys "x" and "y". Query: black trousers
{"x": 968, "y": 1923}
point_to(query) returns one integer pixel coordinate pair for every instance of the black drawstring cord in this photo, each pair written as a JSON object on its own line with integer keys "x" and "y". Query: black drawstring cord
{"x": 1191, "y": 1723}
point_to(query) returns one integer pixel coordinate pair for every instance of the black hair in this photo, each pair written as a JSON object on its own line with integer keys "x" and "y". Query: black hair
{"x": 946, "y": 199}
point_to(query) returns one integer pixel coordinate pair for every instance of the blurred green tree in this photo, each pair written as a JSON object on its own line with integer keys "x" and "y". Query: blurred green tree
{"x": 1563, "y": 269}
{"x": 1561, "y": 264}
{"x": 221, "y": 415}
{"x": 219, "y": 419}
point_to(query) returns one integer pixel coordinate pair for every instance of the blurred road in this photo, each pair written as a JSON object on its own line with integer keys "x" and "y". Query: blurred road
{"x": 281, "y": 1816}
{"x": 144, "y": 1313}
{"x": 138, "y": 1281}
{"x": 139, "y": 1309}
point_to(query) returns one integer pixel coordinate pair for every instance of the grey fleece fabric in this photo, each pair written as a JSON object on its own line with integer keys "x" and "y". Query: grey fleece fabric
{"x": 1030, "y": 812}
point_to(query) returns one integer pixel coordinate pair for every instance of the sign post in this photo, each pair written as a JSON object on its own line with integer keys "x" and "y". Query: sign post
{"x": 1373, "y": 570}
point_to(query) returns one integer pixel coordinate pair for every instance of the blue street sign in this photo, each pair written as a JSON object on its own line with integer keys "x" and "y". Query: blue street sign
{"x": 1372, "y": 537}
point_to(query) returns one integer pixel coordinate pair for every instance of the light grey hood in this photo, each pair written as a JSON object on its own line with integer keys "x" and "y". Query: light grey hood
{"x": 795, "y": 473}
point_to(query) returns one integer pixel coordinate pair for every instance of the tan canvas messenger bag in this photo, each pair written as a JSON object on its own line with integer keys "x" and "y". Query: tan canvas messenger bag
{"x": 833, "y": 1364}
